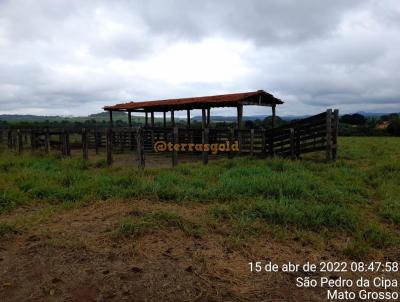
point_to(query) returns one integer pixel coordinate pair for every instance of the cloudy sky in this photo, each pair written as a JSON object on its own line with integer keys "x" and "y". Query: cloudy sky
{"x": 73, "y": 57}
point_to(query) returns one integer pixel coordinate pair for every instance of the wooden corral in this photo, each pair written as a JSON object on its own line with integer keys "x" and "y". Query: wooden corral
{"x": 315, "y": 133}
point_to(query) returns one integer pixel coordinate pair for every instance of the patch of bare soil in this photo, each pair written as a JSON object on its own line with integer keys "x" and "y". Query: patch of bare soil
{"x": 75, "y": 256}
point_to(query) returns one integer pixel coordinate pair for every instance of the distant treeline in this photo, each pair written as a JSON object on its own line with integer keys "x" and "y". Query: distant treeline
{"x": 350, "y": 124}
{"x": 359, "y": 125}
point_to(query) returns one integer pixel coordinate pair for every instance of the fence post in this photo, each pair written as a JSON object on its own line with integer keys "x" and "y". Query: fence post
{"x": 263, "y": 142}
{"x": 109, "y": 141}
{"x": 96, "y": 141}
{"x": 140, "y": 148}
{"x": 251, "y": 142}
{"x": 175, "y": 137}
{"x": 47, "y": 141}
{"x": 231, "y": 141}
{"x": 85, "y": 154}
{"x": 64, "y": 143}
{"x": 292, "y": 144}
{"x": 335, "y": 133}
{"x": 271, "y": 143}
{"x": 19, "y": 141}
{"x": 67, "y": 147}
{"x": 9, "y": 139}
{"x": 204, "y": 140}
{"x": 33, "y": 140}
{"x": 61, "y": 142}
{"x": 329, "y": 134}
{"x": 131, "y": 139}
{"x": 240, "y": 140}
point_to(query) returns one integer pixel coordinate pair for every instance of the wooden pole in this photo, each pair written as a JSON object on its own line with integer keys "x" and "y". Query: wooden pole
{"x": 188, "y": 118}
{"x": 131, "y": 137}
{"x": 240, "y": 125}
{"x": 239, "y": 110}
{"x": 292, "y": 144}
{"x": 252, "y": 142}
{"x": 109, "y": 146}
{"x": 19, "y": 141}
{"x": 65, "y": 147}
{"x": 271, "y": 143}
{"x": 9, "y": 139}
{"x": 60, "y": 141}
{"x": 298, "y": 142}
{"x": 175, "y": 137}
{"x": 140, "y": 148}
{"x": 47, "y": 141}
{"x": 231, "y": 141}
{"x": 130, "y": 119}
{"x": 272, "y": 133}
{"x": 205, "y": 141}
{"x": 164, "y": 119}
{"x": 335, "y": 134}
{"x": 208, "y": 117}
{"x": 173, "y": 118}
{"x": 203, "y": 118}
{"x": 273, "y": 122}
{"x": 146, "y": 119}
{"x": 263, "y": 142}
{"x": 329, "y": 134}
{"x": 111, "y": 119}
{"x": 15, "y": 140}
{"x": 152, "y": 119}
{"x": 67, "y": 144}
{"x": 96, "y": 141}
{"x": 85, "y": 154}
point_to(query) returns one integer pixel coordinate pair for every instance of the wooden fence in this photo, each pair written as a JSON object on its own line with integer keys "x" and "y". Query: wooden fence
{"x": 315, "y": 133}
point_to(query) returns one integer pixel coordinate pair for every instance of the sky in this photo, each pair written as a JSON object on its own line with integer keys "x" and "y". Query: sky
{"x": 74, "y": 57}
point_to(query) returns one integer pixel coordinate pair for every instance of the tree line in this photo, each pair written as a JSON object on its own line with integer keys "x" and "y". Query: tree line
{"x": 350, "y": 124}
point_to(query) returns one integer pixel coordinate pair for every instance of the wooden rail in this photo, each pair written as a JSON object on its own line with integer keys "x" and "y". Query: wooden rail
{"x": 315, "y": 133}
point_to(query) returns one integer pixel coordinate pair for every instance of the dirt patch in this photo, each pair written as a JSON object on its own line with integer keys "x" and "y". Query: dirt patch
{"x": 74, "y": 255}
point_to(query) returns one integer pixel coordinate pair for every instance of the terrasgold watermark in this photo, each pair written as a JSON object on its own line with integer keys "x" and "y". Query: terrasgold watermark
{"x": 163, "y": 146}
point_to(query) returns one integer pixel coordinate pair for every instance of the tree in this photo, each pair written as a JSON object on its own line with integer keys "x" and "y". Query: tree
{"x": 267, "y": 122}
{"x": 390, "y": 117}
{"x": 353, "y": 119}
{"x": 394, "y": 127}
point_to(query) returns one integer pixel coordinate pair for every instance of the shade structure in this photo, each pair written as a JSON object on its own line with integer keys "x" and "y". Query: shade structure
{"x": 259, "y": 97}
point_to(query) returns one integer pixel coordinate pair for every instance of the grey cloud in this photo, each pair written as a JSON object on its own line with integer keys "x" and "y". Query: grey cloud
{"x": 61, "y": 55}
{"x": 265, "y": 22}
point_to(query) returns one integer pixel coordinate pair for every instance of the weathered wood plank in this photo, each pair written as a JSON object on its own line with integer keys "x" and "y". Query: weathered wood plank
{"x": 85, "y": 153}
{"x": 175, "y": 136}
{"x": 335, "y": 134}
{"x": 140, "y": 148}
{"x": 109, "y": 146}
{"x": 329, "y": 134}
{"x": 205, "y": 140}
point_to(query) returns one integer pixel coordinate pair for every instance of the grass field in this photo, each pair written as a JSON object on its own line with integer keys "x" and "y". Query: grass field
{"x": 349, "y": 208}
{"x": 355, "y": 196}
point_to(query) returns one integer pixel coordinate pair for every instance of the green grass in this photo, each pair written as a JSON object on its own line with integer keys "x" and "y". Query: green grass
{"x": 356, "y": 196}
{"x": 367, "y": 238}
{"x": 289, "y": 212}
{"x": 136, "y": 226}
